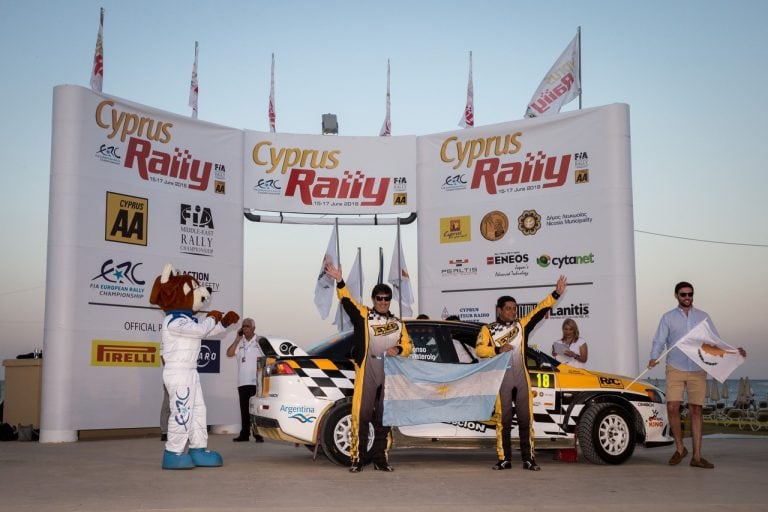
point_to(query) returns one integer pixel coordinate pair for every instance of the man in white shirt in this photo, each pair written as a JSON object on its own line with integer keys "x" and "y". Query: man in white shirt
{"x": 246, "y": 348}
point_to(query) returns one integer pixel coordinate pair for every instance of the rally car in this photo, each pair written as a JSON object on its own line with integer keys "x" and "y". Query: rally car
{"x": 306, "y": 399}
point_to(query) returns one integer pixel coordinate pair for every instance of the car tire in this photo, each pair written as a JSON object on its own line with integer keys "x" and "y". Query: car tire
{"x": 335, "y": 437}
{"x": 606, "y": 434}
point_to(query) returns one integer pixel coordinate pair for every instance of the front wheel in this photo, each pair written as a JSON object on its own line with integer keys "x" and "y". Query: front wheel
{"x": 606, "y": 434}
{"x": 335, "y": 437}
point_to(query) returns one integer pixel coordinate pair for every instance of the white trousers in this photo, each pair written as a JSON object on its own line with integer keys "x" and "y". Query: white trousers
{"x": 188, "y": 414}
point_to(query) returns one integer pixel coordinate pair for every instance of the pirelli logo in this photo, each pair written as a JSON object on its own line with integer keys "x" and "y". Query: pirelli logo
{"x": 143, "y": 354}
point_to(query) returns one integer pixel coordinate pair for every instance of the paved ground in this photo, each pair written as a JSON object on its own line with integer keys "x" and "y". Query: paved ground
{"x": 125, "y": 475}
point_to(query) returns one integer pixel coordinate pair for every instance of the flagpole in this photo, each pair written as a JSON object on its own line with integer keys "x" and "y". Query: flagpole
{"x": 381, "y": 266}
{"x": 657, "y": 359}
{"x": 399, "y": 270}
{"x": 578, "y": 32}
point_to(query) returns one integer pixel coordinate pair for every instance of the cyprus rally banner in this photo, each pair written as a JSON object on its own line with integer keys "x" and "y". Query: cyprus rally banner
{"x": 505, "y": 209}
{"x": 330, "y": 174}
{"x": 133, "y": 188}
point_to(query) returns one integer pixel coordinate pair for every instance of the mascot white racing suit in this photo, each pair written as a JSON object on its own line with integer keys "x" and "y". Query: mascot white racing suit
{"x": 181, "y": 334}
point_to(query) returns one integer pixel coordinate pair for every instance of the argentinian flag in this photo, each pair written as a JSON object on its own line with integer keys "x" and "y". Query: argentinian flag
{"x": 419, "y": 392}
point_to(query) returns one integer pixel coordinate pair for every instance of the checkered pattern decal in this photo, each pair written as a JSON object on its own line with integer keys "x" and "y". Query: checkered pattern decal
{"x": 327, "y": 379}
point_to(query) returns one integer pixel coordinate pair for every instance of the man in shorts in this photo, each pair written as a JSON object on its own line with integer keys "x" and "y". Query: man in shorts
{"x": 682, "y": 372}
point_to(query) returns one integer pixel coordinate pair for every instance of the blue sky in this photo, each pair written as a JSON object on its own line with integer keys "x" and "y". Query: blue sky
{"x": 692, "y": 72}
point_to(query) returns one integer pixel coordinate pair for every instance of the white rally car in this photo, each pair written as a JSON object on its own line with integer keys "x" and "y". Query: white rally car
{"x": 306, "y": 399}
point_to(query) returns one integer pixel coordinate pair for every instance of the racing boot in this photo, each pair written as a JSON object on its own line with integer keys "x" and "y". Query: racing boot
{"x": 503, "y": 464}
{"x": 173, "y": 460}
{"x": 205, "y": 458}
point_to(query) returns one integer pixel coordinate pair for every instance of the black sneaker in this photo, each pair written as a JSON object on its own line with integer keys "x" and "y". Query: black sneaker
{"x": 258, "y": 439}
{"x": 240, "y": 439}
{"x": 356, "y": 467}
{"x": 531, "y": 465}
{"x": 503, "y": 464}
{"x": 383, "y": 466}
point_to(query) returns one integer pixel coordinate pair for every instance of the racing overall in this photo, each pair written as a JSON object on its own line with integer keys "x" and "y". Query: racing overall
{"x": 373, "y": 335}
{"x": 181, "y": 335}
{"x": 515, "y": 386}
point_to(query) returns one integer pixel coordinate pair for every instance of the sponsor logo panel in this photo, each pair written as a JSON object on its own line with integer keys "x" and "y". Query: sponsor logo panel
{"x": 573, "y": 310}
{"x": 126, "y": 219}
{"x": 545, "y": 260}
{"x": 123, "y": 280}
{"x": 455, "y": 229}
{"x": 568, "y": 218}
{"x": 494, "y": 225}
{"x": 196, "y": 230}
{"x": 468, "y": 313}
{"x": 459, "y": 267}
{"x": 142, "y": 354}
{"x": 509, "y": 264}
{"x": 208, "y": 360}
{"x": 529, "y": 222}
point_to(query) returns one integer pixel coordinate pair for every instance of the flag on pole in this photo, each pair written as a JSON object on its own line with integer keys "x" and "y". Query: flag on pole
{"x": 468, "y": 119}
{"x": 325, "y": 288}
{"x": 97, "y": 73}
{"x": 400, "y": 280}
{"x": 272, "y": 97}
{"x": 386, "y": 128}
{"x": 712, "y": 354}
{"x": 193, "y": 87}
{"x": 561, "y": 84}
{"x": 419, "y": 392}
{"x": 355, "y": 285}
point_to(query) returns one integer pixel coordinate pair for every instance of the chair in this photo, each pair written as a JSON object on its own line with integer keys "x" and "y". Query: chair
{"x": 760, "y": 420}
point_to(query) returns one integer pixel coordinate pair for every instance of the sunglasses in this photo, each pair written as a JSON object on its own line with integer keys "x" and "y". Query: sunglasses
{"x": 383, "y": 298}
{"x": 683, "y": 294}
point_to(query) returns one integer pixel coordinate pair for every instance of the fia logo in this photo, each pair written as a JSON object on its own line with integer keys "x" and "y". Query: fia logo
{"x": 196, "y": 216}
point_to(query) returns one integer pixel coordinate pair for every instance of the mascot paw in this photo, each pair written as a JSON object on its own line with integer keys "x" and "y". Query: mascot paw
{"x": 215, "y": 314}
{"x": 230, "y": 318}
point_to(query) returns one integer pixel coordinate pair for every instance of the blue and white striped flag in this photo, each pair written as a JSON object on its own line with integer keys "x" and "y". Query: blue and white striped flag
{"x": 419, "y": 392}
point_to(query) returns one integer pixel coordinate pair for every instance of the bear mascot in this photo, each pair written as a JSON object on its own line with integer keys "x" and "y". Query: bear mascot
{"x": 181, "y": 296}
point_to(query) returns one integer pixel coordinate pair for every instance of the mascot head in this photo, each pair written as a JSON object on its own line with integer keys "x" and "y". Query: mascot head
{"x": 174, "y": 291}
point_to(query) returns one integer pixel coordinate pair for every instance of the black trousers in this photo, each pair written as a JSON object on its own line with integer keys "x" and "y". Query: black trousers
{"x": 245, "y": 393}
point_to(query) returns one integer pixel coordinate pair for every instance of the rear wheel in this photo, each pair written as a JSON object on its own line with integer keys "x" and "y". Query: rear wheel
{"x": 335, "y": 437}
{"x": 606, "y": 434}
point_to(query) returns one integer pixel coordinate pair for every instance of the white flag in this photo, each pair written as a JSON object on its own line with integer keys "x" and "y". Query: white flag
{"x": 712, "y": 354}
{"x": 193, "y": 87}
{"x": 272, "y": 98}
{"x": 560, "y": 85}
{"x": 400, "y": 280}
{"x": 468, "y": 119}
{"x": 325, "y": 288}
{"x": 354, "y": 284}
{"x": 97, "y": 73}
{"x": 386, "y": 128}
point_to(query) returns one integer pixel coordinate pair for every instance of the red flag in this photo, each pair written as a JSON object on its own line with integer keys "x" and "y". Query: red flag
{"x": 193, "y": 87}
{"x": 97, "y": 73}
{"x": 386, "y": 128}
{"x": 272, "y": 98}
{"x": 468, "y": 119}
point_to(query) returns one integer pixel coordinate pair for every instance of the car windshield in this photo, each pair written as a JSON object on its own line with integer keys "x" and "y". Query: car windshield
{"x": 331, "y": 345}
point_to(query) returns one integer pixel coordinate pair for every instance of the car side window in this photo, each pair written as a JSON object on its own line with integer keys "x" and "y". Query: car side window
{"x": 425, "y": 345}
{"x": 463, "y": 341}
